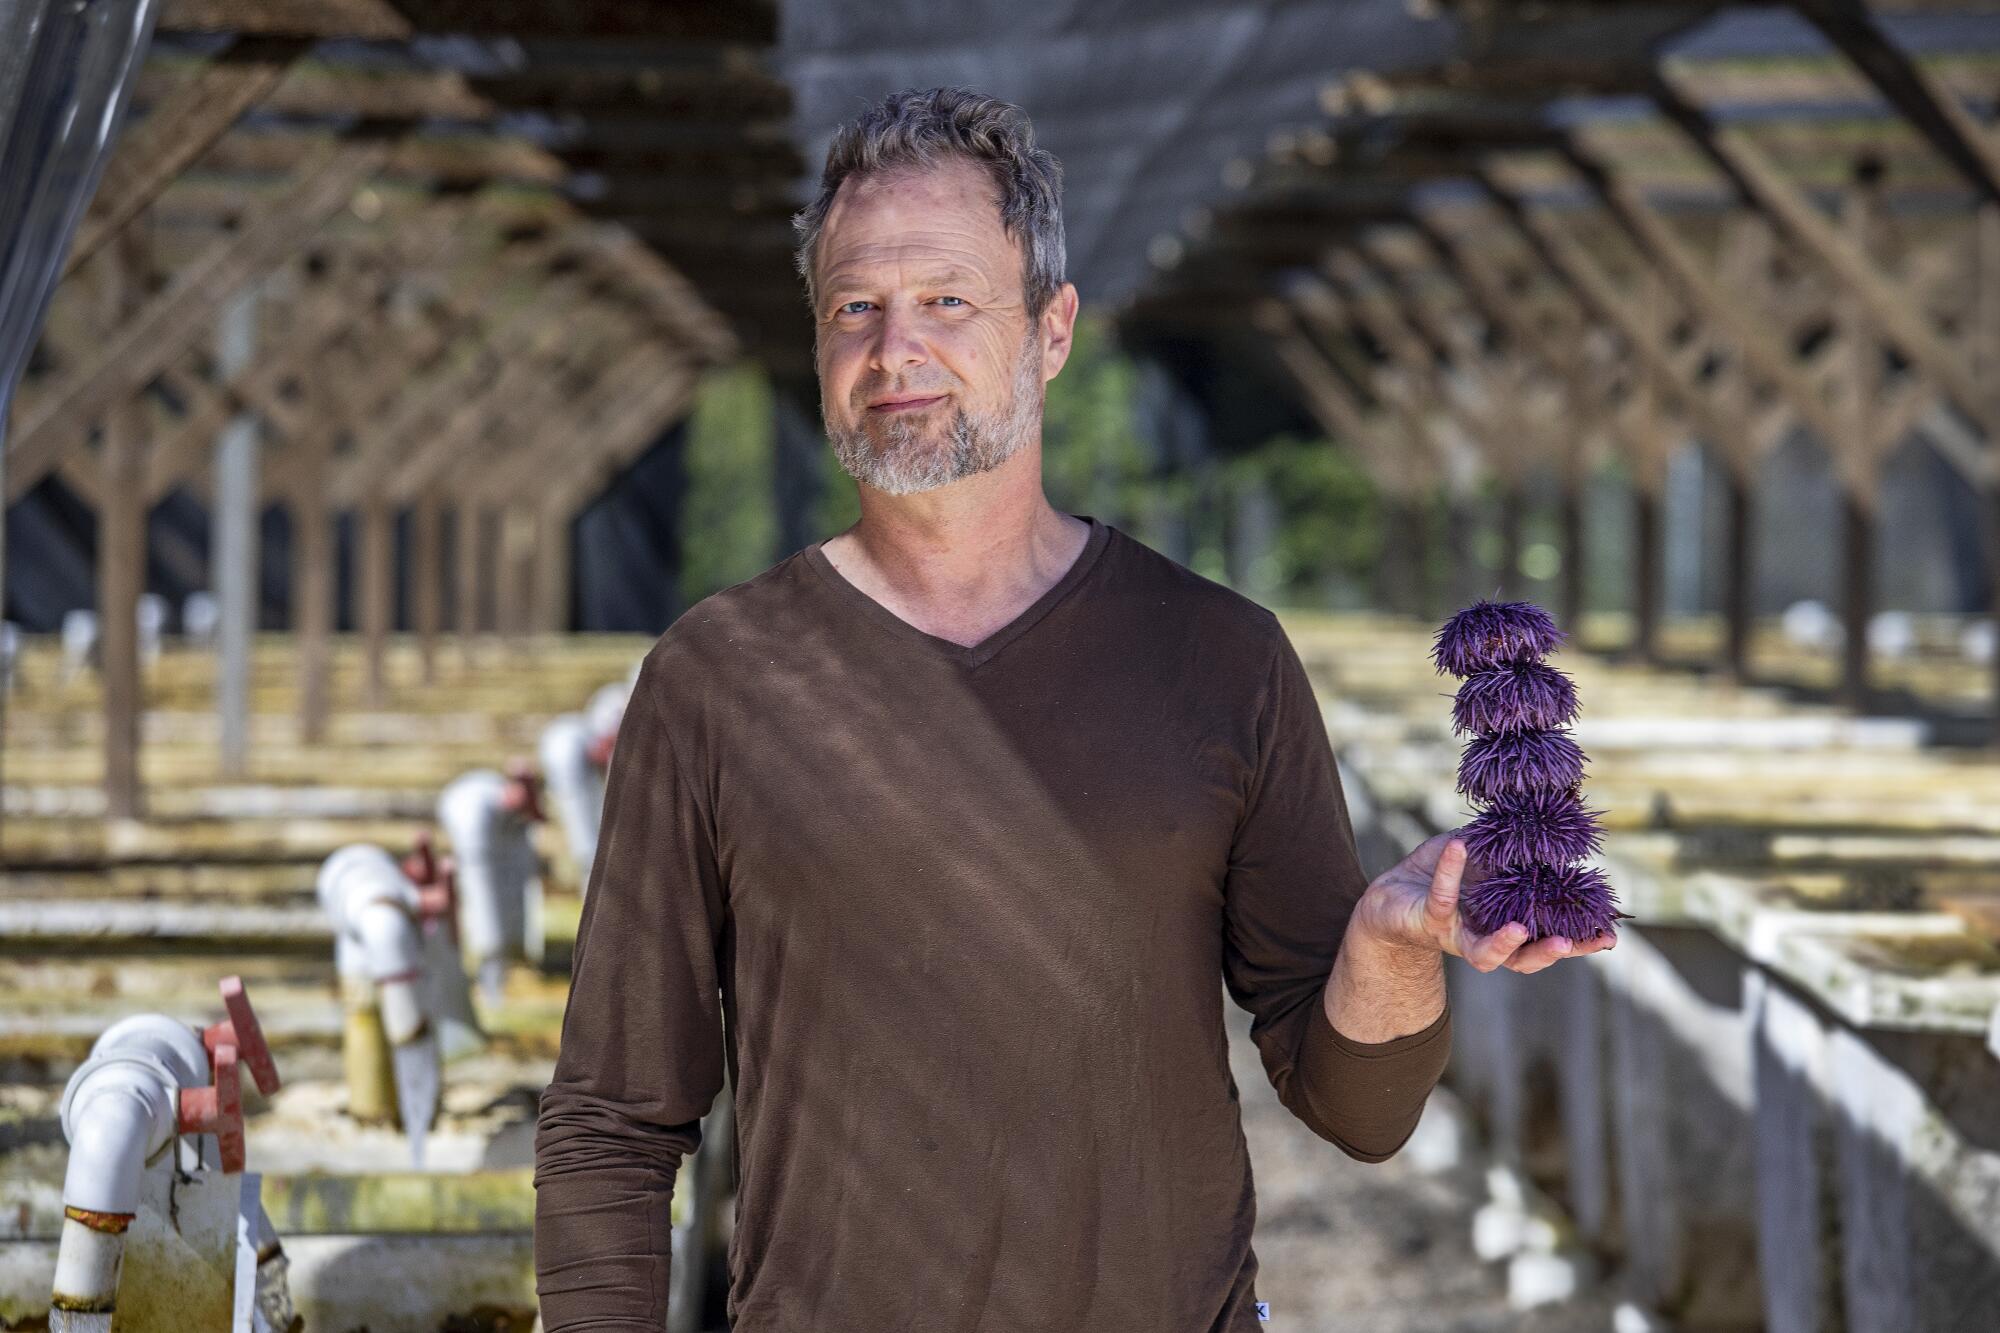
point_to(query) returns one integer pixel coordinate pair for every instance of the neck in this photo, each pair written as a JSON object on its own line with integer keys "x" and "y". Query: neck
{"x": 963, "y": 559}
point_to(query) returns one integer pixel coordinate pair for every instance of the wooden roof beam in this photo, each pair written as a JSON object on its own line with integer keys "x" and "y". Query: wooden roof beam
{"x": 673, "y": 301}
{"x": 178, "y": 130}
{"x": 532, "y": 468}
{"x": 398, "y": 368}
{"x": 1900, "y": 318}
{"x": 340, "y": 301}
{"x": 1425, "y": 373}
{"x": 1329, "y": 316}
{"x": 413, "y": 422}
{"x": 1340, "y": 413}
{"x": 1502, "y": 417}
{"x": 1565, "y": 358}
{"x": 1918, "y": 95}
{"x": 526, "y": 388}
{"x": 1744, "y": 326}
{"x": 1638, "y": 320}
{"x": 624, "y": 429}
{"x": 152, "y": 337}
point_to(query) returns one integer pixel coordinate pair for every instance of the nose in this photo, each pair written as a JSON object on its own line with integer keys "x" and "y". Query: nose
{"x": 897, "y": 346}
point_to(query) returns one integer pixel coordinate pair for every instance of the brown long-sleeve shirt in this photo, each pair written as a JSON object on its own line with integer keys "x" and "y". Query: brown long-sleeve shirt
{"x": 960, "y": 913}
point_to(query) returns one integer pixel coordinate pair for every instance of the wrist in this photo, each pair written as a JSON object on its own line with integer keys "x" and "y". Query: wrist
{"x": 1378, "y": 927}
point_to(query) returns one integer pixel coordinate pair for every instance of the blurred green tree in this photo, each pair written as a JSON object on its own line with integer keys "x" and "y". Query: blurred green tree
{"x": 728, "y": 524}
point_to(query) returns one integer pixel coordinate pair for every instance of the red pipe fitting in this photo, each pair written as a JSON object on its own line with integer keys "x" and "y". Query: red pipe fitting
{"x": 218, "y": 1110}
{"x": 437, "y": 898}
{"x": 523, "y": 796}
{"x": 242, "y": 1032}
{"x": 420, "y": 866}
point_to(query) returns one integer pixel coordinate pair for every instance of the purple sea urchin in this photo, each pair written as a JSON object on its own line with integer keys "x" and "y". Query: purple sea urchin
{"x": 1547, "y": 826}
{"x": 1524, "y": 773}
{"x": 1490, "y": 634}
{"x": 1517, "y": 696}
{"x": 1573, "y": 901}
{"x": 1519, "y": 761}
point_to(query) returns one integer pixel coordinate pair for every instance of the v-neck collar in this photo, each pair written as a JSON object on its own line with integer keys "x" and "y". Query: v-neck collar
{"x": 986, "y": 648}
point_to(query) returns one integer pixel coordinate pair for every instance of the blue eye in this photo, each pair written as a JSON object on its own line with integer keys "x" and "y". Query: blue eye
{"x": 959, "y": 299}
{"x": 849, "y": 309}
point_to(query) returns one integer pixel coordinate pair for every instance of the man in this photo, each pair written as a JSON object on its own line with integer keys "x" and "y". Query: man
{"x": 938, "y": 833}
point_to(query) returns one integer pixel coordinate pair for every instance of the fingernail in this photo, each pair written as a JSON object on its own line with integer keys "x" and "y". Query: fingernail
{"x": 1562, "y": 945}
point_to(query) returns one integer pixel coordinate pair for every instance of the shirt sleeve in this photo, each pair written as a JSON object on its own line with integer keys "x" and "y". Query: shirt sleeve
{"x": 641, "y": 1059}
{"x": 1293, "y": 880}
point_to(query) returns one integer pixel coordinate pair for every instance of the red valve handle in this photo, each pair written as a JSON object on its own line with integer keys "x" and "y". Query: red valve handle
{"x": 420, "y": 866}
{"x": 438, "y": 899}
{"x": 524, "y": 791}
{"x": 242, "y": 1031}
{"x": 218, "y": 1110}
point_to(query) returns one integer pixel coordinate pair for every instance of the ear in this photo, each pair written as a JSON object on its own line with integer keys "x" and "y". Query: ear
{"x": 1058, "y": 330}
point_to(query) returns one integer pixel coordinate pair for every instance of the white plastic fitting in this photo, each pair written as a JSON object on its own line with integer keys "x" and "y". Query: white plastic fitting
{"x": 487, "y": 816}
{"x": 79, "y": 643}
{"x": 605, "y": 711}
{"x": 147, "y": 1081}
{"x": 201, "y": 617}
{"x": 151, "y": 619}
{"x": 576, "y": 785}
{"x": 10, "y": 652}
{"x": 376, "y": 914}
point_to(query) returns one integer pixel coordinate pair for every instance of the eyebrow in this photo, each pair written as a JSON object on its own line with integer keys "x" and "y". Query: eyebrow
{"x": 948, "y": 277}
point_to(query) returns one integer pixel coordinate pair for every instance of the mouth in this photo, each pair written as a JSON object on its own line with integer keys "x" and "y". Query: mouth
{"x": 905, "y": 404}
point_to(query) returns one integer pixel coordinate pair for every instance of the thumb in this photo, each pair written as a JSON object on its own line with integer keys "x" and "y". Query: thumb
{"x": 1441, "y": 904}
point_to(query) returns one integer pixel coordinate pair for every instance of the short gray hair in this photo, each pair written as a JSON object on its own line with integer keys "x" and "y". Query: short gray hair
{"x": 913, "y": 129}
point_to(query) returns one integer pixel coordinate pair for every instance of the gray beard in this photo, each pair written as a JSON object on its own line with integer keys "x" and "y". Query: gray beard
{"x": 900, "y": 457}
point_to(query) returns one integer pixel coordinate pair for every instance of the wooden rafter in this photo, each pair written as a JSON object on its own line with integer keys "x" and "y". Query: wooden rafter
{"x": 530, "y": 382}
{"x": 421, "y": 409}
{"x": 1932, "y": 109}
{"x": 180, "y": 129}
{"x": 144, "y": 344}
{"x": 1901, "y": 320}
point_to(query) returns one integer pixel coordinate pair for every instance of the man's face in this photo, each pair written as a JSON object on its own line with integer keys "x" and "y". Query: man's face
{"x": 929, "y": 368}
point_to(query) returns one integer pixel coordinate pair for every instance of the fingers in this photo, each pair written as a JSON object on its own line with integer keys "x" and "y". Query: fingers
{"x": 1441, "y": 906}
{"x": 1487, "y": 952}
{"x": 1542, "y": 953}
{"x": 1508, "y": 947}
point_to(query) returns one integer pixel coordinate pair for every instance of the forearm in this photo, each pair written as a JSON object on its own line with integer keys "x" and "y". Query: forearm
{"x": 603, "y": 1196}
{"x": 1377, "y": 1047}
{"x": 1381, "y": 990}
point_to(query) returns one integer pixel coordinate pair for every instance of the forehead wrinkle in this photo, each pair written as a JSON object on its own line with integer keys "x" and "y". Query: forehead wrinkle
{"x": 872, "y": 262}
{"x": 927, "y": 212}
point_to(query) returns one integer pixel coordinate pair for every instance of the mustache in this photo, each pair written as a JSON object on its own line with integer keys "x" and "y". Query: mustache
{"x": 868, "y": 391}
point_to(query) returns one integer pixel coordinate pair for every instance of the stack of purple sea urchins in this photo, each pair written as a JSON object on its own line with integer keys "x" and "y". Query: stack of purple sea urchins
{"x": 1523, "y": 771}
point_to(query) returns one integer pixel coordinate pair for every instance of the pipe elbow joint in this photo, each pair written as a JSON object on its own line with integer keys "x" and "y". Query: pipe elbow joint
{"x": 118, "y": 1121}
{"x": 391, "y": 946}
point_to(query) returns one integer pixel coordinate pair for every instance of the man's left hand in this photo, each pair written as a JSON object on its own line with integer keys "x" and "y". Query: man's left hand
{"x": 1414, "y": 905}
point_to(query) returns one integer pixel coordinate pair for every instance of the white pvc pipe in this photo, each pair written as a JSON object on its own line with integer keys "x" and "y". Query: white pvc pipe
{"x": 119, "y": 1111}
{"x": 607, "y": 707}
{"x": 576, "y": 784}
{"x": 495, "y": 861}
{"x": 86, "y": 1284}
{"x": 373, "y": 908}
{"x": 122, "y": 1115}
